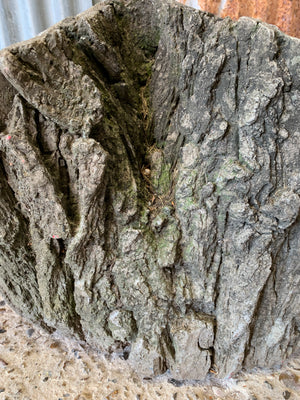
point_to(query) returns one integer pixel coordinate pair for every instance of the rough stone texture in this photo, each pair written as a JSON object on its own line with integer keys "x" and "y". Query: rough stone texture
{"x": 283, "y": 13}
{"x": 150, "y": 186}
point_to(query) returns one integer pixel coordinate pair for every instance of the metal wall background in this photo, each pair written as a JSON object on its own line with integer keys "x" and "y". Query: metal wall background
{"x": 191, "y": 3}
{"x": 23, "y": 19}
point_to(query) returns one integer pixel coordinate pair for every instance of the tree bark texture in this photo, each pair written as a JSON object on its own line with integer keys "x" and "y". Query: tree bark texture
{"x": 149, "y": 171}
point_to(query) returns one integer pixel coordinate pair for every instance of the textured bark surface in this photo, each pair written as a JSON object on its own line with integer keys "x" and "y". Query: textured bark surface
{"x": 150, "y": 186}
{"x": 285, "y": 14}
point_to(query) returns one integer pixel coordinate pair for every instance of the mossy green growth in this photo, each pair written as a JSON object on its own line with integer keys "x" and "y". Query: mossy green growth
{"x": 164, "y": 181}
{"x": 147, "y": 42}
{"x": 187, "y": 203}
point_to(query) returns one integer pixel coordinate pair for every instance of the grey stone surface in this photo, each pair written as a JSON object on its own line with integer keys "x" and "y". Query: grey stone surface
{"x": 150, "y": 186}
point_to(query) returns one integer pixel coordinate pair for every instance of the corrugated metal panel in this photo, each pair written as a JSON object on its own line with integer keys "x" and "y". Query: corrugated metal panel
{"x": 191, "y": 3}
{"x": 23, "y": 19}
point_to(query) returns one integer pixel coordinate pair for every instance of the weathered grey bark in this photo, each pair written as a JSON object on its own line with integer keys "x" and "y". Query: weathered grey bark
{"x": 150, "y": 186}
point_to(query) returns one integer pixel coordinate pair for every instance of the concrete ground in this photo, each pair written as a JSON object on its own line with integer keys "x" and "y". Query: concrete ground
{"x": 37, "y": 366}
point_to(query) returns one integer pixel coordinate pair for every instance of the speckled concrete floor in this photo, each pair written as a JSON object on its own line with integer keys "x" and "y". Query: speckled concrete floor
{"x": 38, "y": 366}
